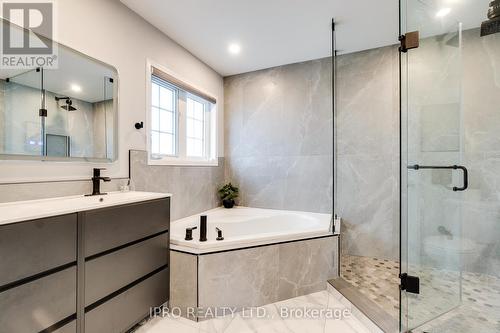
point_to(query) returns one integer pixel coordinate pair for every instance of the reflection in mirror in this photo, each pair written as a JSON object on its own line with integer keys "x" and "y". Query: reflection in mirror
{"x": 80, "y": 99}
{"x": 20, "y": 123}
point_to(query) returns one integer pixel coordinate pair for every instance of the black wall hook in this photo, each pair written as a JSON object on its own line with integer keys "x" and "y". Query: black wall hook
{"x": 139, "y": 125}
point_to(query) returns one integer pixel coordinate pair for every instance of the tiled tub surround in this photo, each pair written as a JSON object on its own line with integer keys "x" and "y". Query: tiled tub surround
{"x": 253, "y": 276}
{"x": 193, "y": 188}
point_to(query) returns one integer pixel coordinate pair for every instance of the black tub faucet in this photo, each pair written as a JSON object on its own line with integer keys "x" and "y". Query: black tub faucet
{"x": 189, "y": 233}
{"x": 96, "y": 182}
{"x": 203, "y": 228}
{"x": 219, "y": 234}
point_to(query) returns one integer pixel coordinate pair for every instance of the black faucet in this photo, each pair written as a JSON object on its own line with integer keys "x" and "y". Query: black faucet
{"x": 189, "y": 233}
{"x": 96, "y": 182}
{"x": 203, "y": 228}
{"x": 219, "y": 234}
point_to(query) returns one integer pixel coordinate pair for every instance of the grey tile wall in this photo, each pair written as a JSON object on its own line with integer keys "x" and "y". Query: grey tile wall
{"x": 367, "y": 134}
{"x": 279, "y": 143}
{"x": 278, "y": 132}
{"x": 194, "y": 189}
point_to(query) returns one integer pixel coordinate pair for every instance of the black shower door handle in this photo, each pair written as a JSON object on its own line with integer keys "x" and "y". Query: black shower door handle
{"x": 453, "y": 167}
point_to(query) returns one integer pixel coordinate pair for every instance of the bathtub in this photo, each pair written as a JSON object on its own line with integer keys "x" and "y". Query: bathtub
{"x": 266, "y": 256}
{"x": 247, "y": 227}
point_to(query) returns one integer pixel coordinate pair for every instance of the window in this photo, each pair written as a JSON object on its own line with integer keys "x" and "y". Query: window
{"x": 163, "y": 118}
{"x": 182, "y": 123}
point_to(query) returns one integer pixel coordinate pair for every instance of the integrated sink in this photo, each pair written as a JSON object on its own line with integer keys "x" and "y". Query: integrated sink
{"x": 19, "y": 211}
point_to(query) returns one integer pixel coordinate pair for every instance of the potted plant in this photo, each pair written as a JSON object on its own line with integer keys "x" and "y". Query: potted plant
{"x": 227, "y": 194}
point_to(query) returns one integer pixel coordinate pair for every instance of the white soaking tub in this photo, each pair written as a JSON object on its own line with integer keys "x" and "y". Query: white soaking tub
{"x": 246, "y": 227}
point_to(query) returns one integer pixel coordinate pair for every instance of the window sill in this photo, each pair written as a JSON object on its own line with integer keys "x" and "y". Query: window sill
{"x": 183, "y": 162}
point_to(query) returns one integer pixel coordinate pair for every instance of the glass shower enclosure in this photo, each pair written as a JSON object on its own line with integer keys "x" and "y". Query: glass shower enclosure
{"x": 450, "y": 163}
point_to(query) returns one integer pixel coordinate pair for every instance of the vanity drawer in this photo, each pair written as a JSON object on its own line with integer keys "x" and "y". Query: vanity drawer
{"x": 37, "y": 305}
{"x": 106, "y": 274}
{"x": 125, "y": 310}
{"x": 32, "y": 247}
{"x": 108, "y": 228}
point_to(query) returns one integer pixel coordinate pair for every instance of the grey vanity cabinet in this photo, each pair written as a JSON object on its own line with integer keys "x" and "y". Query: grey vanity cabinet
{"x": 88, "y": 272}
{"x": 38, "y": 274}
{"x": 121, "y": 312}
{"x": 106, "y": 274}
{"x": 109, "y": 228}
{"x": 126, "y": 264}
{"x": 32, "y": 247}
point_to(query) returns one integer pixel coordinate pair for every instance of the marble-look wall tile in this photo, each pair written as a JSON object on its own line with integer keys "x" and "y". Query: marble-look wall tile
{"x": 279, "y": 143}
{"x": 318, "y": 263}
{"x": 240, "y": 278}
{"x": 367, "y": 103}
{"x": 367, "y": 160}
{"x": 183, "y": 282}
{"x": 253, "y": 277}
{"x": 278, "y": 130}
{"x": 267, "y": 274}
{"x": 194, "y": 189}
{"x": 279, "y": 182}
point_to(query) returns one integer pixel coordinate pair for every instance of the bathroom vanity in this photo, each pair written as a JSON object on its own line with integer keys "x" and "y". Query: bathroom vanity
{"x": 83, "y": 264}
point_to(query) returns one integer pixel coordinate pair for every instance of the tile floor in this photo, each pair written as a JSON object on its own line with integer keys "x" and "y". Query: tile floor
{"x": 478, "y": 310}
{"x": 378, "y": 279}
{"x": 275, "y": 320}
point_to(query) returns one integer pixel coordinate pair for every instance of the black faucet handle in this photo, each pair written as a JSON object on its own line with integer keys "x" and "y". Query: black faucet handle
{"x": 189, "y": 233}
{"x": 219, "y": 234}
{"x": 97, "y": 171}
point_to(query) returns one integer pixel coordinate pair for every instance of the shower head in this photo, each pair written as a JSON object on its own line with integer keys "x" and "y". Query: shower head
{"x": 68, "y": 106}
{"x": 493, "y": 24}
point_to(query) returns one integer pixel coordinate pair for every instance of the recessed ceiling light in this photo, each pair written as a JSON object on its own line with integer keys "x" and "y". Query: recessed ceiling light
{"x": 76, "y": 88}
{"x": 234, "y": 48}
{"x": 443, "y": 12}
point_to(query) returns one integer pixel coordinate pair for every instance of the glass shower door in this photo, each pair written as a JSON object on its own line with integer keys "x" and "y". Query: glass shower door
{"x": 433, "y": 177}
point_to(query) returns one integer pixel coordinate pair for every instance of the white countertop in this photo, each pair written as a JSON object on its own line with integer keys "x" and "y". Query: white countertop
{"x": 18, "y": 211}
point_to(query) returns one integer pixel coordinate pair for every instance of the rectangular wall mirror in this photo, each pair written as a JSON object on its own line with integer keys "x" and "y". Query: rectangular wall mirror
{"x": 81, "y": 103}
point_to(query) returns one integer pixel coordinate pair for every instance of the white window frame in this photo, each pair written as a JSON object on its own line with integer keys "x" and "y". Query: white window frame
{"x": 175, "y": 123}
{"x": 211, "y": 137}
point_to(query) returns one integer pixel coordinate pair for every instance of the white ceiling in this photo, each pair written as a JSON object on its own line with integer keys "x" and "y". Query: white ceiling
{"x": 271, "y": 32}
{"x": 277, "y": 32}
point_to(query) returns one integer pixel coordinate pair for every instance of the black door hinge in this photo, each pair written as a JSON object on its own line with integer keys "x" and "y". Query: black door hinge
{"x": 410, "y": 283}
{"x": 409, "y": 41}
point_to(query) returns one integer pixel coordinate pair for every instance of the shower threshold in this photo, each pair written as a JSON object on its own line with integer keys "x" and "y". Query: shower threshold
{"x": 375, "y": 313}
